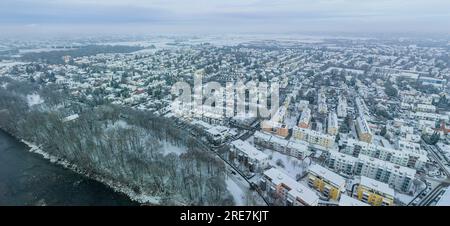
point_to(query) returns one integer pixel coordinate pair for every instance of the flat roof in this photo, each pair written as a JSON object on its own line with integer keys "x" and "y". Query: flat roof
{"x": 248, "y": 149}
{"x": 297, "y": 190}
{"x": 349, "y": 201}
{"x": 396, "y": 168}
{"x": 328, "y": 175}
{"x": 377, "y": 186}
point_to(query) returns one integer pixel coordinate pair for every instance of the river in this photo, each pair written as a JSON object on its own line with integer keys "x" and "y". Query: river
{"x": 28, "y": 179}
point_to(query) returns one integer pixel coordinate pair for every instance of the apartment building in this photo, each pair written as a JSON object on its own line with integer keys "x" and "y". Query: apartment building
{"x": 313, "y": 137}
{"x": 278, "y": 185}
{"x": 305, "y": 118}
{"x": 414, "y": 158}
{"x": 291, "y": 147}
{"x": 247, "y": 155}
{"x": 341, "y": 163}
{"x": 322, "y": 108}
{"x": 374, "y": 192}
{"x": 363, "y": 130}
{"x": 328, "y": 183}
{"x": 332, "y": 124}
{"x": 399, "y": 177}
{"x": 279, "y": 129}
{"x": 425, "y": 108}
{"x": 342, "y": 107}
{"x": 346, "y": 200}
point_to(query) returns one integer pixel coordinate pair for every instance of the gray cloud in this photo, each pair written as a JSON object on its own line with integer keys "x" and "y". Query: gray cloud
{"x": 230, "y": 15}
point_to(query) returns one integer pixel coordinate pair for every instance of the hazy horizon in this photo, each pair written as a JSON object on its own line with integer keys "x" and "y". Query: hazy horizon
{"x": 50, "y": 17}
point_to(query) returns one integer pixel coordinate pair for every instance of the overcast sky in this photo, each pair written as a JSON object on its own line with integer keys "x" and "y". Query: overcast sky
{"x": 213, "y": 16}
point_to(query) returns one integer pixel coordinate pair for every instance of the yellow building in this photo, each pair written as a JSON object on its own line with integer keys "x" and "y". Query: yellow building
{"x": 326, "y": 182}
{"x": 374, "y": 192}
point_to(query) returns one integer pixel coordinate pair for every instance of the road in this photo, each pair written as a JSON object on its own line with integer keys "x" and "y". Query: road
{"x": 186, "y": 128}
{"x": 432, "y": 195}
{"x": 433, "y": 152}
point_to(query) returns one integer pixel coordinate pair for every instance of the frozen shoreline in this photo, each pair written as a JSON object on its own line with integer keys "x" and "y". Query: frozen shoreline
{"x": 117, "y": 187}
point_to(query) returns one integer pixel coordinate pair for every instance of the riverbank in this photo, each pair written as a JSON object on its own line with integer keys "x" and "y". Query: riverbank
{"x": 116, "y": 187}
{"x": 30, "y": 179}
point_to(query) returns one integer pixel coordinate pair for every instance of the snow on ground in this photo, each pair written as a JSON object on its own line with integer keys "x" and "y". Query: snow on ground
{"x": 42, "y": 50}
{"x": 291, "y": 122}
{"x": 141, "y": 198}
{"x": 292, "y": 166}
{"x": 404, "y": 198}
{"x": 9, "y": 63}
{"x": 236, "y": 191}
{"x": 34, "y": 99}
{"x": 168, "y": 148}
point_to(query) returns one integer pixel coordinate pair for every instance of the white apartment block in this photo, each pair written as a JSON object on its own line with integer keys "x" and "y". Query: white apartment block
{"x": 305, "y": 118}
{"x": 341, "y": 163}
{"x": 313, "y": 137}
{"x": 342, "y": 107}
{"x": 295, "y": 148}
{"x": 249, "y": 156}
{"x": 323, "y": 109}
{"x": 363, "y": 129}
{"x": 397, "y": 176}
{"x": 413, "y": 159}
{"x": 332, "y": 123}
{"x": 425, "y": 108}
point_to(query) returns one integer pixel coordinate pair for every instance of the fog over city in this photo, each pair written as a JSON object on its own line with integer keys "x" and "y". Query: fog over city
{"x": 215, "y": 16}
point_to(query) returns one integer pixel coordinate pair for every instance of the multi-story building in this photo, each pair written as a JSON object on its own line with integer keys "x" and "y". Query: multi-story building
{"x": 341, "y": 163}
{"x": 303, "y": 104}
{"x": 247, "y": 155}
{"x": 291, "y": 147}
{"x": 399, "y": 177}
{"x": 276, "y": 123}
{"x": 374, "y": 192}
{"x": 346, "y": 200}
{"x": 363, "y": 129}
{"x": 342, "y": 107}
{"x": 313, "y": 137}
{"x": 298, "y": 149}
{"x": 361, "y": 106}
{"x": 325, "y": 181}
{"x": 305, "y": 118}
{"x": 425, "y": 108}
{"x": 280, "y": 186}
{"x": 279, "y": 129}
{"x": 413, "y": 158}
{"x": 332, "y": 123}
{"x": 323, "y": 109}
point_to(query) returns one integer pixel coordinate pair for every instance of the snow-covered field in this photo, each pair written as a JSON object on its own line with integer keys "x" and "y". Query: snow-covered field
{"x": 170, "y": 148}
{"x": 290, "y": 165}
{"x": 404, "y": 198}
{"x": 34, "y": 99}
{"x": 9, "y": 63}
{"x": 236, "y": 191}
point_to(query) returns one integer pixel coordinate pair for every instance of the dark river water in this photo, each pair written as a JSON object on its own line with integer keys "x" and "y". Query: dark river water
{"x": 28, "y": 179}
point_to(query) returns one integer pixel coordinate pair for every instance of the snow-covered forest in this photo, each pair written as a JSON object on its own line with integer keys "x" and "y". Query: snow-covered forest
{"x": 116, "y": 143}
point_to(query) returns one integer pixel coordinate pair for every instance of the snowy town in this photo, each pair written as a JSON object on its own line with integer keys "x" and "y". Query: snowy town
{"x": 359, "y": 122}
